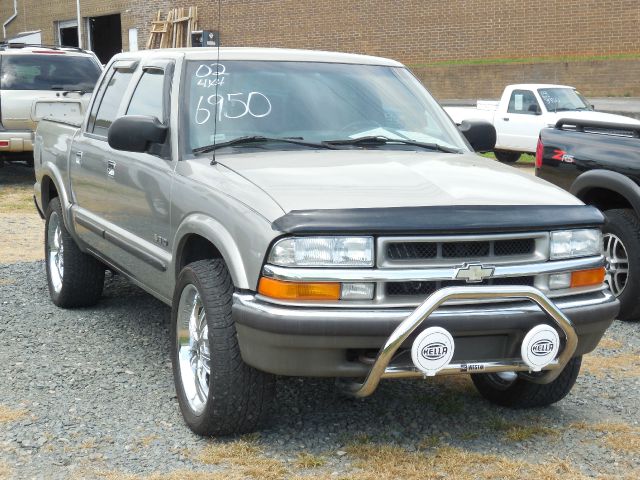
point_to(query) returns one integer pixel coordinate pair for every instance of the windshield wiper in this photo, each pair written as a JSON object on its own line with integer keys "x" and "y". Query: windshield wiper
{"x": 380, "y": 140}
{"x": 258, "y": 139}
{"x": 81, "y": 92}
{"x": 67, "y": 90}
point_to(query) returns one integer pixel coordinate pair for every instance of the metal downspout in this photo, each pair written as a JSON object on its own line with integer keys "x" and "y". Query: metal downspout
{"x": 79, "y": 17}
{"x": 10, "y": 19}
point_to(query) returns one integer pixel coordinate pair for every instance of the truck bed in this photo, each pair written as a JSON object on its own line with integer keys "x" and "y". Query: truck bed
{"x": 573, "y": 147}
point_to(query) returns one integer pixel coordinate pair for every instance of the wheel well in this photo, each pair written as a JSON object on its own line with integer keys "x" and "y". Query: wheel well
{"x": 194, "y": 248}
{"x": 604, "y": 199}
{"x": 49, "y": 191}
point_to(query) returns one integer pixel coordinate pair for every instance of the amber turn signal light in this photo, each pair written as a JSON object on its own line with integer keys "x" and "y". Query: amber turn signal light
{"x": 298, "y": 291}
{"x": 587, "y": 278}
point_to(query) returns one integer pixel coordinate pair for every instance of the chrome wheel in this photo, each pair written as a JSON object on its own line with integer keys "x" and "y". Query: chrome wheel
{"x": 193, "y": 348}
{"x": 55, "y": 253}
{"x": 617, "y": 263}
{"x": 502, "y": 380}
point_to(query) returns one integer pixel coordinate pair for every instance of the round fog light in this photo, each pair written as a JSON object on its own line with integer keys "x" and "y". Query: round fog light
{"x": 540, "y": 347}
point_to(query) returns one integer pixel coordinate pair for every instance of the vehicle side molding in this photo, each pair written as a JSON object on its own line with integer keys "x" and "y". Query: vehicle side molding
{"x": 136, "y": 133}
{"x": 608, "y": 180}
{"x": 480, "y": 134}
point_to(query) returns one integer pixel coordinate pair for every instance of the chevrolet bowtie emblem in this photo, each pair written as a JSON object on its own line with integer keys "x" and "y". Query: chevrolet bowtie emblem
{"x": 474, "y": 273}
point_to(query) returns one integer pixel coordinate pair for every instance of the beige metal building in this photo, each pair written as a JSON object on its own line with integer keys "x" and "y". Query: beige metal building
{"x": 460, "y": 48}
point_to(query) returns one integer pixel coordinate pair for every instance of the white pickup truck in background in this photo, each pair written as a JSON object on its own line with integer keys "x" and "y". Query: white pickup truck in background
{"x": 525, "y": 109}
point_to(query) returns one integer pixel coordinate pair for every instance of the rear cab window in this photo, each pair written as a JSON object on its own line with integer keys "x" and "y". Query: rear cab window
{"x": 57, "y": 71}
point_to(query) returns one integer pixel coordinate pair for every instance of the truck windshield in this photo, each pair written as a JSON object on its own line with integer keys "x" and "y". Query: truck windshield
{"x": 48, "y": 72}
{"x": 310, "y": 101}
{"x": 563, "y": 99}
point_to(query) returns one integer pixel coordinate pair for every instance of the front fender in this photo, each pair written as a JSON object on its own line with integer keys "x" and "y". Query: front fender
{"x": 219, "y": 236}
{"x": 51, "y": 174}
{"x": 608, "y": 180}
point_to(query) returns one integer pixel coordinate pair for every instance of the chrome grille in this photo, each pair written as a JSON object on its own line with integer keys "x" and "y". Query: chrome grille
{"x": 516, "y": 246}
{"x": 468, "y": 250}
{"x": 453, "y": 252}
{"x": 411, "y": 250}
{"x": 465, "y": 250}
{"x": 409, "y": 289}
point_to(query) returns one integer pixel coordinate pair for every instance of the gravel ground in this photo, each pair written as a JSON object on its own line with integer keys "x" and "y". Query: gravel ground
{"x": 89, "y": 394}
{"x": 21, "y": 237}
{"x": 21, "y": 229}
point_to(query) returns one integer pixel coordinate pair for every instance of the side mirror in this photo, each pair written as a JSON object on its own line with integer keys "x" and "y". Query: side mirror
{"x": 480, "y": 134}
{"x": 136, "y": 133}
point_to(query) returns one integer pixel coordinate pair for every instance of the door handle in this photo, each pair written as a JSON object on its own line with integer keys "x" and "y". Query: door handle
{"x": 78, "y": 157}
{"x": 506, "y": 119}
{"x": 111, "y": 168}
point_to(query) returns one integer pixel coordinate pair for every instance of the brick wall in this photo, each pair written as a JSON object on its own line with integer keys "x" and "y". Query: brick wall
{"x": 426, "y": 31}
{"x": 416, "y": 32}
{"x": 592, "y": 78}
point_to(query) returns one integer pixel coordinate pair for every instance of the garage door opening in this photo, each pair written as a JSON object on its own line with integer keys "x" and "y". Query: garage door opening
{"x": 69, "y": 36}
{"x": 68, "y": 33}
{"x": 105, "y": 36}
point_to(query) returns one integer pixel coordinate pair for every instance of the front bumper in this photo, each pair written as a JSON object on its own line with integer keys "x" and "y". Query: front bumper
{"x": 333, "y": 342}
{"x": 16, "y": 141}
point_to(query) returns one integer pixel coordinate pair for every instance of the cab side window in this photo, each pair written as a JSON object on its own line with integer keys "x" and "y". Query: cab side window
{"x": 104, "y": 113}
{"x": 523, "y": 102}
{"x": 148, "y": 98}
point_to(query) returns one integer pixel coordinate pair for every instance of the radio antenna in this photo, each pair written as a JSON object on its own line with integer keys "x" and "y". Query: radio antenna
{"x": 215, "y": 118}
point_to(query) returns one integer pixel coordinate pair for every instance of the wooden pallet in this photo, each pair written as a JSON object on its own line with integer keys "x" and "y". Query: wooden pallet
{"x": 175, "y": 30}
{"x": 159, "y": 29}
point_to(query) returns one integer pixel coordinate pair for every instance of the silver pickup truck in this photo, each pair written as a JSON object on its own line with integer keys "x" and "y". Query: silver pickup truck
{"x": 316, "y": 214}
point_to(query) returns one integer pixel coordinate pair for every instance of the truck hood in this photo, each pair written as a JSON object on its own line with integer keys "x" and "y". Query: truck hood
{"x": 321, "y": 179}
{"x": 594, "y": 116}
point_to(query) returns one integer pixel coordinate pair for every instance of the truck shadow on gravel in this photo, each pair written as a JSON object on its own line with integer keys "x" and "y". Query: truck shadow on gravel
{"x": 17, "y": 174}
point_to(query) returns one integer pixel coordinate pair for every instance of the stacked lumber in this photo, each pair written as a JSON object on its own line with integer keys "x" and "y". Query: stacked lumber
{"x": 174, "y": 31}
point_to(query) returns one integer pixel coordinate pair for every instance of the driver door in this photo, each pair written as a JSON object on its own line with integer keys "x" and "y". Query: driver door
{"x": 518, "y": 128}
{"x": 141, "y": 183}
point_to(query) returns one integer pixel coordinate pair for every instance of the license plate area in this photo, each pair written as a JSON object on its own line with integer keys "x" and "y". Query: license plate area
{"x": 67, "y": 110}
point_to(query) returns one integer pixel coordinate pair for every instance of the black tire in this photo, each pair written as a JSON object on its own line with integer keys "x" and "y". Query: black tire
{"x": 507, "y": 157}
{"x": 238, "y": 395}
{"x": 81, "y": 280}
{"x": 521, "y": 393}
{"x": 624, "y": 224}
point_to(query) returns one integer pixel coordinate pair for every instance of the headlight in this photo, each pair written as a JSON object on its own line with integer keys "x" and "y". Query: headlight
{"x": 323, "y": 252}
{"x": 575, "y": 243}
